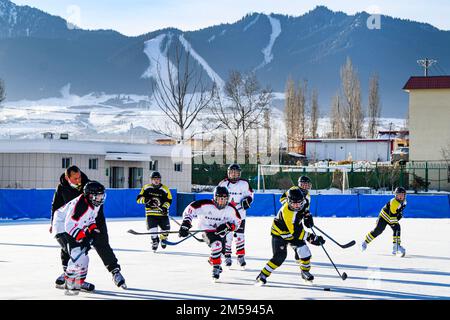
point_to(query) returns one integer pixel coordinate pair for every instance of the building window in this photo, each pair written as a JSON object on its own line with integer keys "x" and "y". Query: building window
{"x": 179, "y": 167}
{"x": 153, "y": 165}
{"x": 66, "y": 162}
{"x": 93, "y": 163}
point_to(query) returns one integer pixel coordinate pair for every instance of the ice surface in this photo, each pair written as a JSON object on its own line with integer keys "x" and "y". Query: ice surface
{"x": 29, "y": 262}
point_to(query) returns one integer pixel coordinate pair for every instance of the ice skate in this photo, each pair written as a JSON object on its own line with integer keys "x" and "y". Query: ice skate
{"x": 241, "y": 261}
{"x": 60, "y": 282}
{"x": 154, "y": 246}
{"x": 118, "y": 279}
{"x": 261, "y": 279}
{"x": 216, "y": 273}
{"x": 87, "y": 287}
{"x": 72, "y": 288}
{"x": 228, "y": 261}
{"x": 308, "y": 277}
{"x": 398, "y": 250}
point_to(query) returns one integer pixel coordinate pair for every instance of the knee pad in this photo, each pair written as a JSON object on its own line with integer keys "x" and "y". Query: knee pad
{"x": 303, "y": 252}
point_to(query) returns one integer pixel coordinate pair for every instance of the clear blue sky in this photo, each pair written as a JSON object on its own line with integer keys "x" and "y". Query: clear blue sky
{"x": 135, "y": 17}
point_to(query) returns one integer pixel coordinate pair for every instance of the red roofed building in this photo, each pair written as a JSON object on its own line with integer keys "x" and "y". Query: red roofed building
{"x": 429, "y": 120}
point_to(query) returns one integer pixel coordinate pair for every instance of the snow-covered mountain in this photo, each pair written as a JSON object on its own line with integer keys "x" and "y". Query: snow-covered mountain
{"x": 40, "y": 53}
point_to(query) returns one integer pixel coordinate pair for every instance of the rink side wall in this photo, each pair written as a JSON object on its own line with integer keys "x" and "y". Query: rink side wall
{"x": 121, "y": 203}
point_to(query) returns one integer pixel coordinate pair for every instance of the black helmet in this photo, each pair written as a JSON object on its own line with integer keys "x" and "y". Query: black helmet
{"x": 304, "y": 179}
{"x": 235, "y": 167}
{"x": 399, "y": 190}
{"x": 221, "y": 192}
{"x": 155, "y": 174}
{"x": 95, "y": 193}
{"x": 296, "y": 196}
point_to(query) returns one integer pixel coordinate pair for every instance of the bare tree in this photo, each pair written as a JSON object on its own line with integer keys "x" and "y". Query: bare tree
{"x": 240, "y": 108}
{"x": 291, "y": 115}
{"x": 374, "y": 106}
{"x": 352, "y": 109}
{"x": 337, "y": 125}
{"x": 314, "y": 113}
{"x": 2, "y": 91}
{"x": 180, "y": 93}
{"x": 301, "y": 107}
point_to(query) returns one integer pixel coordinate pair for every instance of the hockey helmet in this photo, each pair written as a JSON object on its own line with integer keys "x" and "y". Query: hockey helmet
{"x": 400, "y": 193}
{"x": 304, "y": 183}
{"x": 95, "y": 193}
{"x": 221, "y": 197}
{"x": 296, "y": 199}
{"x": 234, "y": 172}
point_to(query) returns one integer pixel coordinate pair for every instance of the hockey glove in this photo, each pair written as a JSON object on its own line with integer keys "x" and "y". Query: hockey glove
{"x": 164, "y": 210}
{"x": 184, "y": 229}
{"x": 223, "y": 229}
{"x": 246, "y": 202}
{"x": 92, "y": 230}
{"x": 152, "y": 203}
{"x": 85, "y": 243}
{"x": 316, "y": 240}
{"x": 308, "y": 220}
{"x": 399, "y": 216}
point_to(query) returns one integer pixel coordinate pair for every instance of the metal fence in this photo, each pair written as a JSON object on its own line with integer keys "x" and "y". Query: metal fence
{"x": 417, "y": 176}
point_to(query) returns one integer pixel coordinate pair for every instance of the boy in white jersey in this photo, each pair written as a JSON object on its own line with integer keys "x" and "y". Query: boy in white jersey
{"x": 74, "y": 225}
{"x": 241, "y": 196}
{"x": 218, "y": 217}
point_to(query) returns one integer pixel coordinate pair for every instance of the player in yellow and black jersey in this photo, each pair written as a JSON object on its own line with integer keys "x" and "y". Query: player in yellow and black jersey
{"x": 287, "y": 229}
{"x": 390, "y": 215}
{"x": 304, "y": 184}
{"x": 157, "y": 199}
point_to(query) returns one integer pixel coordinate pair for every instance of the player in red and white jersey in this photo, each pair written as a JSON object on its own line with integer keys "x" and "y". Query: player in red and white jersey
{"x": 74, "y": 225}
{"x": 241, "y": 196}
{"x": 218, "y": 217}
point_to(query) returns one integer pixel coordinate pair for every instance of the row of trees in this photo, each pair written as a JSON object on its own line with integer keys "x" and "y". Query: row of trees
{"x": 194, "y": 104}
{"x": 2, "y": 91}
{"x": 346, "y": 115}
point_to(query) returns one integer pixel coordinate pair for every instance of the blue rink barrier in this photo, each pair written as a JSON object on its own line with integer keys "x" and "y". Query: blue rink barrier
{"x": 121, "y": 203}
{"x": 37, "y": 203}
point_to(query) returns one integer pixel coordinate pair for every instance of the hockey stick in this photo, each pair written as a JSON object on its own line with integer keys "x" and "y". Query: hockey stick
{"x": 74, "y": 259}
{"x": 170, "y": 243}
{"x": 162, "y": 232}
{"x": 199, "y": 240}
{"x": 344, "y": 246}
{"x": 344, "y": 275}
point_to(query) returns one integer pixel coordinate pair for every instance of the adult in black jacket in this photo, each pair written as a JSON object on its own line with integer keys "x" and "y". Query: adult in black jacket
{"x": 70, "y": 186}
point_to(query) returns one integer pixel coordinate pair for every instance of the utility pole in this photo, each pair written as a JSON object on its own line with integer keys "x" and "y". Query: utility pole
{"x": 426, "y": 64}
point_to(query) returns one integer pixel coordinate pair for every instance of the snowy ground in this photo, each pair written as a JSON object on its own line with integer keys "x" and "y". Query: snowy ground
{"x": 29, "y": 262}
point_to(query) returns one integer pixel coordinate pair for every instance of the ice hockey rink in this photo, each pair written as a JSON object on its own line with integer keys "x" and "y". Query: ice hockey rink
{"x": 30, "y": 263}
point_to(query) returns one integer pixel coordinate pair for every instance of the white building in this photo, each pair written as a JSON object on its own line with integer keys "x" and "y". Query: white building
{"x": 29, "y": 164}
{"x": 348, "y": 149}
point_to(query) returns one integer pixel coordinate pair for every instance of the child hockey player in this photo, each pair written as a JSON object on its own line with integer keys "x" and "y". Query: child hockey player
{"x": 74, "y": 226}
{"x": 157, "y": 199}
{"x": 217, "y": 216}
{"x": 390, "y": 215}
{"x": 287, "y": 229}
{"x": 304, "y": 184}
{"x": 241, "y": 195}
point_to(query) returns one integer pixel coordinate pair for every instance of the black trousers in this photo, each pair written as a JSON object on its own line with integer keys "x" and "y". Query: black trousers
{"x": 100, "y": 243}
{"x": 158, "y": 221}
{"x": 279, "y": 249}
{"x": 381, "y": 225}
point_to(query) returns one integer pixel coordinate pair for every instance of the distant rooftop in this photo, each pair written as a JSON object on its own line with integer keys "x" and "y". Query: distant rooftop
{"x": 88, "y": 147}
{"x": 434, "y": 82}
